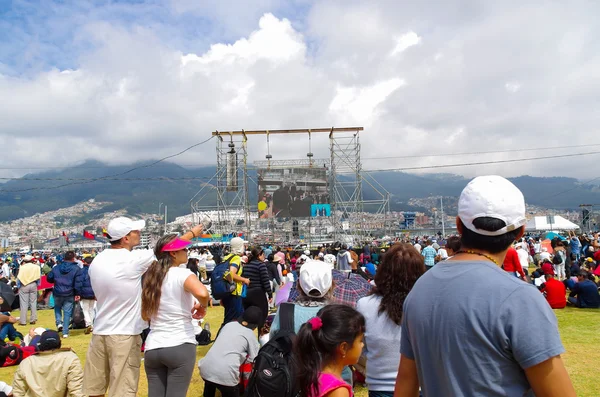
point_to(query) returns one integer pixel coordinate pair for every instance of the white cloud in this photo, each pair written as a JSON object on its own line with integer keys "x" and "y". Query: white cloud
{"x": 405, "y": 41}
{"x": 129, "y": 83}
{"x": 512, "y": 87}
{"x": 355, "y": 105}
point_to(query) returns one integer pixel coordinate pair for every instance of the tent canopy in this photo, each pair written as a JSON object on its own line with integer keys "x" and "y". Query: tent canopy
{"x": 540, "y": 224}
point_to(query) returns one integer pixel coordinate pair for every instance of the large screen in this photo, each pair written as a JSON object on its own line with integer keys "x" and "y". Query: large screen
{"x": 293, "y": 192}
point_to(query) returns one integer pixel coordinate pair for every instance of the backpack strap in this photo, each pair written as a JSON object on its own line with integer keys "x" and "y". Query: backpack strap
{"x": 286, "y": 317}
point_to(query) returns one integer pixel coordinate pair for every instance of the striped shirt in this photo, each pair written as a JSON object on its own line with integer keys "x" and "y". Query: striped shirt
{"x": 259, "y": 276}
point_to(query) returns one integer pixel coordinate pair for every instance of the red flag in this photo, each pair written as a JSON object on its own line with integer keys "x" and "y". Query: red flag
{"x": 88, "y": 235}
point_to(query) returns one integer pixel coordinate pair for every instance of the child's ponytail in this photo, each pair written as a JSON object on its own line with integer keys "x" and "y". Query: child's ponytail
{"x": 317, "y": 342}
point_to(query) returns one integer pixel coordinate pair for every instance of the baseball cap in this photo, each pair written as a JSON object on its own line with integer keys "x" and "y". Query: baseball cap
{"x": 315, "y": 278}
{"x": 253, "y": 316}
{"x": 492, "y": 196}
{"x": 49, "y": 341}
{"x": 122, "y": 226}
{"x": 27, "y": 258}
{"x": 176, "y": 244}
{"x": 307, "y": 252}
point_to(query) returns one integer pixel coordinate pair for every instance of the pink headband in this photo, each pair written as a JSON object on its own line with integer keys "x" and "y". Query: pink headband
{"x": 175, "y": 245}
{"x": 316, "y": 323}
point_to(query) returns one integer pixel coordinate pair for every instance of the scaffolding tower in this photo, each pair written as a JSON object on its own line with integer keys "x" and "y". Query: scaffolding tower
{"x": 231, "y": 183}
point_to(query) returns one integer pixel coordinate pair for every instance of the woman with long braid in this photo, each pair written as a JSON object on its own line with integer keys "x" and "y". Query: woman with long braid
{"x": 168, "y": 295}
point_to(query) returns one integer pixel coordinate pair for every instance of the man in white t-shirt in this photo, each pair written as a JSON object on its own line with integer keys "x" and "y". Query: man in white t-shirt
{"x": 523, "y": 257}
{"x": 544, "y": 254}
{"x": 114, "y": 355}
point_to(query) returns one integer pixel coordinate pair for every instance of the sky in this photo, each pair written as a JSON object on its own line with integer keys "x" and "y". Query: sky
{"x": 125, "y": 81}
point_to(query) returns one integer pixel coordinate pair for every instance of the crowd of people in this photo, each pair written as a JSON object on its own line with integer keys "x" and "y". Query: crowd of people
{"x": 444, "y": 315}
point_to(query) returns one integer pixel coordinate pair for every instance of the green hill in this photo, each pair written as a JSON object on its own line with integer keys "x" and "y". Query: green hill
{"x": 142, "y": 190}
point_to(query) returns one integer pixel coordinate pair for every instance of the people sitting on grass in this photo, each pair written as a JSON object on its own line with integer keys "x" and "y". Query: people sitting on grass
{"x": 53, "y": 372}
{"x": 7, "y": 328}
{"x": 584, "y": 294}
{"x": 236, "y": 343}
{"x": 555, "y": 292}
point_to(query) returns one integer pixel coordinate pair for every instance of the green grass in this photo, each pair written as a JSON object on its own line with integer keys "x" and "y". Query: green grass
{"x": 579, "y": 331}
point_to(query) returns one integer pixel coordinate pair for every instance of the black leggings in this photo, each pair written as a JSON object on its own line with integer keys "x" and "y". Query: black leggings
{"x": 226, "y": 391}
{"x": 257, "y": 297}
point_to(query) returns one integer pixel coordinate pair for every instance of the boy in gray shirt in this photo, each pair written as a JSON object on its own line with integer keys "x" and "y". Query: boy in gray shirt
{"x": 471, "y": 329}
{"x": 236, "y": 343}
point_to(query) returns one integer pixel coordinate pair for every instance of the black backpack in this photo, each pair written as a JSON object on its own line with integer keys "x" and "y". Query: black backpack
{"x": 273, "y": 374}
{"x": 557, "y": 260}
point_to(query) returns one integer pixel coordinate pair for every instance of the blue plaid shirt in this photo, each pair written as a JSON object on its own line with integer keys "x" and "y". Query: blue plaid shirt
{"x": 429, "y": 254}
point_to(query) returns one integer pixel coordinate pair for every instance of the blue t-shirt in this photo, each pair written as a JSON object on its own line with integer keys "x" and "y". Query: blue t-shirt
{"x": 429, "y": 254}
{"x": 472, "y": 329}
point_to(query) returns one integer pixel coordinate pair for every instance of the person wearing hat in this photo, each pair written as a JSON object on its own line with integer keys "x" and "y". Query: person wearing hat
{"x": 315, "y": 285}
{"x": 236, "y": 344}
{"x": 232, "y": 304}
{"x": 475, "y": 336}
{"x": 28, "y": 279}
{"x": 171, "y": 297}
{"x": 114, "y": 354}
{"x": 52, "y": 372}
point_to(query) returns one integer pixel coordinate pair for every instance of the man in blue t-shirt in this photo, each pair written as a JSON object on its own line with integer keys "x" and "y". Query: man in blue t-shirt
{"x": 465, "y": 338}
{"x": 584, "y": 293}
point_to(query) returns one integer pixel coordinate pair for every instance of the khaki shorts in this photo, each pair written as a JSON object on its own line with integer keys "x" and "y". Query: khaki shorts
{"x": 113, "y": 362}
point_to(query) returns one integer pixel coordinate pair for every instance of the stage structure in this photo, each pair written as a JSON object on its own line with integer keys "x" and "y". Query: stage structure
{"x": 303, "y": 201}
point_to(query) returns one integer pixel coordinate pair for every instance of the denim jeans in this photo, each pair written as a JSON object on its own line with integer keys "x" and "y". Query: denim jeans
{"x": 233, "y": 309}
{"x": 9, "y": 330}
{"x": 63, "y": 309}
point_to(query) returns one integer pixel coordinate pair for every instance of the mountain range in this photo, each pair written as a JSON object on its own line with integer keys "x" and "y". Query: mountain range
{"x": 143, "y": 189}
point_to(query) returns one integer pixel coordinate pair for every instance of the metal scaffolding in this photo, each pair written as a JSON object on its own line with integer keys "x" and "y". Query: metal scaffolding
{"x": 231, "y": 183}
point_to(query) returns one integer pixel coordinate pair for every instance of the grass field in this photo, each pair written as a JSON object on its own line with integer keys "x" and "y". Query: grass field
{"x": 580, "y": 331}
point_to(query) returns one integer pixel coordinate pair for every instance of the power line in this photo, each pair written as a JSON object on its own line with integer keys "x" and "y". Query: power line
{"x": 111, "y": 176}
{"x": 362, "y": 158}
{"x": 473, "y": 153}
{"x": 480, "y": 162}
{"x": 77, "y": 181}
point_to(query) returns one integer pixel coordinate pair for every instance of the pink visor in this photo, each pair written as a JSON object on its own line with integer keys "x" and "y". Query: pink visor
{"x": 176, "y": 245}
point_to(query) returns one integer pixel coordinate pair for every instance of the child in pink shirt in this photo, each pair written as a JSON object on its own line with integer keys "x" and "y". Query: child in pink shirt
{"x": 324, "y": 346}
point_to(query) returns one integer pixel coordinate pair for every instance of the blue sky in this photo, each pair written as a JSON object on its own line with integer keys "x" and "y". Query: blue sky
{"x": 36, "y": 35}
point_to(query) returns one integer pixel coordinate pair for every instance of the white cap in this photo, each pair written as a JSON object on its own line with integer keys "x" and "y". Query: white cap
{"x": 237, "y": 245}
{"x": 307, "y": 252}
{"x": 495, "y": 197}
{"x": 27, "y": 258}
{"x": 315, "y": 276}
{"x": 122, "y": 226}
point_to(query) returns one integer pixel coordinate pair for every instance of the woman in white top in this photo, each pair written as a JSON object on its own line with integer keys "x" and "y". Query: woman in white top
{"x": 397, "y": 273}
{"x": 168, "y": 303}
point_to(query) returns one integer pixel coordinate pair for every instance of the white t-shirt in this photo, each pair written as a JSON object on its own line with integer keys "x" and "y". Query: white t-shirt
{"x": 330, "y": 260}
{"x": 523, "y": 258}
{"x": 116, "y": 277}
{"x": 172, "y": 324}
{"x": 443, "y": 253}
{"x": 544, "y": 255}
{"x": 202, "y": 260}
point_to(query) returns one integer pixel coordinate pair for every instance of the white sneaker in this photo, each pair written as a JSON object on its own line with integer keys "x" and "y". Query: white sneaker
{"x": 59, "y": 328}
{"x": 65, "y": 336}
